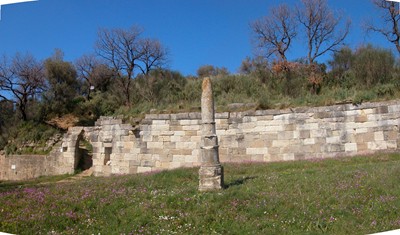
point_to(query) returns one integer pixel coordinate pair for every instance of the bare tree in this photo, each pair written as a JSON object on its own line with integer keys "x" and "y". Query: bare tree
{"x": 154, "y": 55}
{"x": 93, "y": 73}
{"x": 321, "y": 28}
{"x": 275, "y": 32}
{"x": 390, "y": 16}
{"x": 23, "y": 78}
{"x": 129, "y": 54}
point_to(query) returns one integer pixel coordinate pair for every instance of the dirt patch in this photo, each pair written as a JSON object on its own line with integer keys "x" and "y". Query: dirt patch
{"x": 64, "y": 122}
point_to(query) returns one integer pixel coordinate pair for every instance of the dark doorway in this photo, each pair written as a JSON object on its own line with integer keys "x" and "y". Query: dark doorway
{"x": 84, "y": 154}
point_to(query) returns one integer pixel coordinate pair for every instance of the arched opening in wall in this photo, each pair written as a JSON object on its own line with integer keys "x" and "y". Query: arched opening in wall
{"x": 83, "y": 153}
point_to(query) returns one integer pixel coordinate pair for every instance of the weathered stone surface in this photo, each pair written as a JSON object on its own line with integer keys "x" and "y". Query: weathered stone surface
{"x": 210, "y": 173}
{"x": 263, "y": 135}
{"x": 211, "y": 178}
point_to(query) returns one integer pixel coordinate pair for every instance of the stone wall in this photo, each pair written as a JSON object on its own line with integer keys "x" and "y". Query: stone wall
{"x": 172, "y": 140}
{"x": 24, "y": 167}
{"x": 168, "y": 141}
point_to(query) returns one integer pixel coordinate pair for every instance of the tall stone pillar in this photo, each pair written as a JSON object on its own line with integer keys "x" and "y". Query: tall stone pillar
{"x": 211, "y": 175}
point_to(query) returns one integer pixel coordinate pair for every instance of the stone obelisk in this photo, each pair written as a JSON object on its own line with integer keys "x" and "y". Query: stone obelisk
{"x": 211, "y": 175}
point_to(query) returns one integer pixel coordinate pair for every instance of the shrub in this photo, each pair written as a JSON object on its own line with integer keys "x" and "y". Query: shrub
{"x": 373, "y": 65}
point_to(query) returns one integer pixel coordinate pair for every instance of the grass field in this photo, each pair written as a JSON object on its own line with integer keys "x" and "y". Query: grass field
{"x": 358, "y": 195}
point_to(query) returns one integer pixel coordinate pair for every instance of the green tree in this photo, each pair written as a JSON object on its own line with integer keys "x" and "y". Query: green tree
{"x": 62, "y": 86}
{"x": 341, "y": 64}
{"x": 7, "y": 115}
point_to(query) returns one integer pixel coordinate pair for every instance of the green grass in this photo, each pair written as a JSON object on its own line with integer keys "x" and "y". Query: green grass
{"x": 337, "y": 196}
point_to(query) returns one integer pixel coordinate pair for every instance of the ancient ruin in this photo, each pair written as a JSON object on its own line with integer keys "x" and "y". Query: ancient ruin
{"x": 211, "y": 176}
{"x": 169, "y": 141}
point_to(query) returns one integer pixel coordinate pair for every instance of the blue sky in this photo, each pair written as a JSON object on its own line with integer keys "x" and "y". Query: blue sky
{"x": 196, "y": 32}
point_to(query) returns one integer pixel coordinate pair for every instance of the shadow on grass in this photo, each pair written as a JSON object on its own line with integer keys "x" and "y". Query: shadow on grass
{"x": 239, "y": 181}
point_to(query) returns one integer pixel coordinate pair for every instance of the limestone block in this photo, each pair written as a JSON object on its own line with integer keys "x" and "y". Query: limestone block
{"x": 178, "y": 158}
{"x": 279, "y": 143}
{"x": 318, "y": 133}
{"x": 263, "y": 123}
{"x": 391, "y": 144}
{"x": 179, "y": 133}
{"x": 220, "y": 122}
{"x": 256, "y": 151}
{"x": 309, "y": 126}
{"x": 309, "y": 141}
{"x": 249, "y": 119}
{"x": 133, "y": 170}
{"x": 394, "y": 108}
{"x": 353, "y": 112}
{"x": 267, "y": 158}
{"x": 196, "y": 115}
{"x": 145, "y": 163}
{"x": 279, "y": 122}
{"x": 192, "y": 133}
{"x": 391, "y": 135}
{"x": 174, "y": 165}
{"x": 159, "y": 122}
{"x": 269, "y": 129}
{"x": 180, "y": 116}
{"x": 191, "y": 128}
{"x": 155, "y": 145}
{"x": 142, "y": 169}
{"x": 176, "y": 128}
{"x": 288, "y": 157}
{"x": 186, "y": 145}
{"x": 164, "y": 138}
{"x": 180, "y": 152}
{"x": 333, "y": 140}
{"x": 378, "y": 136}
{"x": 164, "y": 127}
{"x": 285, "y": 135}
{"x": 257, "y": 143}
{"x": 362, "y": 146}
{"x": 361, "y": 130}
{"x": 220, "y": 132}
{"x": 367, "y": 137}
{"x": 195, "y": 139}
{"x": 247, "y": 126}
{"x": 167, "y": 133}
{"x": 231, "y": 132}
{"x": 257, "y": 158}
{"x": 361, "y": 118}
{"x": 350, "y": 147}
{"x": 192, "y": 158}
{"x": 368, "y": 124}
{"x": 290, "y": 127}
{"x": 195, "y": 152}
{"x": 284, "y": 117}
{"x": 177, "y": 138}
{"x": 377, "y": 145}
{"x": 264, "y": 117}
{"x": 145, "y": 157}
{"x": 189, "y": 122}
{"x": 382, "y": 109}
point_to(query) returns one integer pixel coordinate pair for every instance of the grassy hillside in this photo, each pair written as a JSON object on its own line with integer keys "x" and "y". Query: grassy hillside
{"x": 342, "y": 196}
